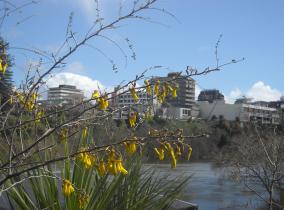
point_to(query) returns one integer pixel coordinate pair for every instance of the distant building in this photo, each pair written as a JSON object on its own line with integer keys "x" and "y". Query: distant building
{"x": 122, "y": 98}
{"x": 184, "y": 104}
{"x": 244, "y": 112}
{"x": 210, "y": 96}
{"x": 185, "y": 90}
{"x": 64, "y": 95}
{"x": 243, "y": 100}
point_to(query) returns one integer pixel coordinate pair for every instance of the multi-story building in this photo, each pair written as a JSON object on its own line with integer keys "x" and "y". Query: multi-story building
{"x": 244, "y": 112}
{"x": 122, "y": 98}
{"x": 64, "y": 95}
{"x": 183, "y": 106}
{"x": 210, "y": 96}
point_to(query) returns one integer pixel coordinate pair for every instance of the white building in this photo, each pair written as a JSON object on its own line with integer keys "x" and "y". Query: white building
{"x": 244, "y": 112}
{"x": 64, "y": 95}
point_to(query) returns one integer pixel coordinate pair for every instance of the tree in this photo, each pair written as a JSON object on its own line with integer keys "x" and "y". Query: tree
{"x": 39, "y": 137}
{"x": 6, "y": 82}
{"x": 257, "y": 161}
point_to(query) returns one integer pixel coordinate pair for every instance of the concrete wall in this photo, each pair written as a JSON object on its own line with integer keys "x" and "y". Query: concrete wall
{"x": 217, "y": 108}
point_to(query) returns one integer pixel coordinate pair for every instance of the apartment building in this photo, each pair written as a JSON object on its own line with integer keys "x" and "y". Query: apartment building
{"x": 64, "y": 95}
{"x": 244, "y": 112}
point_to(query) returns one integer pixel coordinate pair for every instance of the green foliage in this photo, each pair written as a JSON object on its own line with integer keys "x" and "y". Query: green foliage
{"x": 140, "y": 189}
{"x": 6, "y": 81}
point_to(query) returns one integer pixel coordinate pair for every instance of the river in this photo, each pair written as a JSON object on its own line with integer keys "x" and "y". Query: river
{"x": 209, "y": 188}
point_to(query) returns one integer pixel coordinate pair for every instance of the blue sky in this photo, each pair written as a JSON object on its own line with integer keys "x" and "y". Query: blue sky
{"x": 250, "y": 29}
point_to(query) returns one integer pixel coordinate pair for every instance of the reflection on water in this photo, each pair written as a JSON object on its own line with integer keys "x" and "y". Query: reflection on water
{"x": 208, "y": 187}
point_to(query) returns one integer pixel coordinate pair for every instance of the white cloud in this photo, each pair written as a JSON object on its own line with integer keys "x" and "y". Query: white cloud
{"x": 262, "y": 92}
{"x": 197, "y": 91}
{"x": 234, "y": 94}
{"x": 84, "y": 83}
{"x": 259, "y": 91}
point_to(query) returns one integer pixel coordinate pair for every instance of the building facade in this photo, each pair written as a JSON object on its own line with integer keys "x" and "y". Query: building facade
{"x": 64, "y": 95}
{"x": 244, "y": 112}
{"x": 184, "y": 104}
{"x": 210, "y": 96}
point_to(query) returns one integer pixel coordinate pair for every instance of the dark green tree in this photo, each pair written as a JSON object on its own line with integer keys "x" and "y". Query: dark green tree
{"x": 6, "y": 81}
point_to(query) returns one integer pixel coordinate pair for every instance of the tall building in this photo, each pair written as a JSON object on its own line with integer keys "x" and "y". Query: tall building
{"x": 185, "y": 90}
{"x": 183, "y": 106}
{"x": 210, "y": 96}
{"x": 64, "y": 95}
{"x": 122, "y": 98}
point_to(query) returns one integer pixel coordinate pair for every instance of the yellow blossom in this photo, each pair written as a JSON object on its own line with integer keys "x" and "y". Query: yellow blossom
{"x": 95, "y": 95}
{"x": 83, "y": 200}
{"x": 101, "y": 168}
{"x": 132, "y": 119}
{"x": 120, "y": 167}
{"x": 148, "y": 87}
{"x": 171, "y": 154}
{"x": 29, "y": 105}
{"x": 103, "y": 102}
{"x": 173, "y": 160}
{"x": 134, "y": 94}
{"x": 162, "y": 96}
{"x": 189, "y": 152}
{"x": 174, "y": 92}
{"x": 156, "y": 87}
{"x": 39, "y": 115}
{"x": 3, "y": 66}
{"x": 178, "y": 151}
{"x": 130, "y": 147}
{"x": 112, "y": 167}
{"x": 67, "y": 188}
{"x": 160, "y": 153}
{"x": 86, "y": 159}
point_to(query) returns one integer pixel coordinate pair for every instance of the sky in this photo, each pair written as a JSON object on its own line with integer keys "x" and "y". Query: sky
{"x": 251, "y": 29}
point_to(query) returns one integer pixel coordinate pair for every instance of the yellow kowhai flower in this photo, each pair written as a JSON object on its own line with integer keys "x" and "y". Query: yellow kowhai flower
{"x": 134, "y": 94}
{"x": 162, "y": 96}
{"x": 178, "y": 151}
{"x": 156, "y": 87}
{"x": 111, "y": 155}
{"x": 39, "y": 115}
{"x": 189, "y": 152}
{"x": 171, "y": 154}
{"x": 130, "y": 147}
{"x": 3, "y": 66}
{"x": 101, "y": 168}
{"x": 173, "y": 160}
{"x": 103, "y": 102}
{"x": 86, "y": 159}
{"x": 120, "y": 167}
{"x": 148, "y": 87}
{"x": 160, "y": 153}
{"x": 83, "y": 200}
{"x": 95, "y": 95}
{"x": 174, "y": 92}
{"x": 169, "y": 87}
{"x": 112, "y": 167}
{"x": 63, "y": 134}
{"x": 33, "y": 96}
{"x": 29, "y": 106}
{"x": 20, "y": 97}
{"x": 132, "y": 119}
{"x": 67, "y": 188}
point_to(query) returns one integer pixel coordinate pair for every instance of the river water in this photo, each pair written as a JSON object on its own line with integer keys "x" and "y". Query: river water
{"x": 209, "y": 187}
